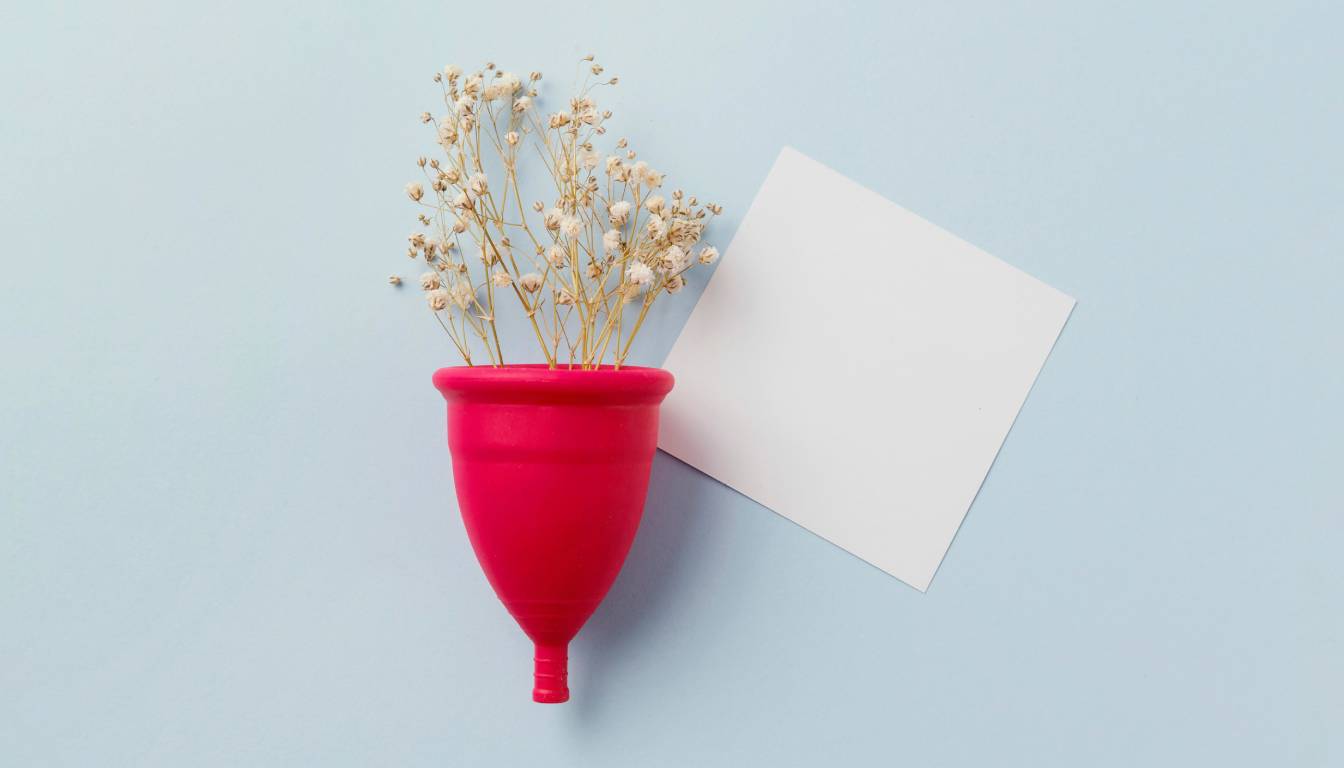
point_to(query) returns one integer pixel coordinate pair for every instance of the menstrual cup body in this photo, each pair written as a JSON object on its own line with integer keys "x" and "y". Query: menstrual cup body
{"x": 551, "y": 470}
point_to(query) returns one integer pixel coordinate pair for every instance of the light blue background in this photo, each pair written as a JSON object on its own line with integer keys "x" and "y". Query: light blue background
{"x": 227, "y": 532}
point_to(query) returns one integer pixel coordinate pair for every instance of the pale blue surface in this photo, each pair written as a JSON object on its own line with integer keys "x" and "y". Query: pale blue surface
{"x": 226, "y": 527}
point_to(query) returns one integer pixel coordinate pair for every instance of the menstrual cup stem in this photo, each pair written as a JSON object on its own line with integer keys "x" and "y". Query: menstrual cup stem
{"x": 552, "y": 674}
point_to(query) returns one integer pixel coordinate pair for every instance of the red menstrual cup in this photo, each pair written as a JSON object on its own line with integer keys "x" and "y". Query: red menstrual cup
{"x": 551, "y": 469}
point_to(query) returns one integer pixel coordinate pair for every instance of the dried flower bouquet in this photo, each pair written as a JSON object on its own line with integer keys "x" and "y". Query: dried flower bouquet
{"x": 609, "y": 240}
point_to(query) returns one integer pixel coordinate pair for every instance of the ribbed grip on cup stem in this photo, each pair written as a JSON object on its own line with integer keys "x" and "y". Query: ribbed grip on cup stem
{"x": 551, "y": 684}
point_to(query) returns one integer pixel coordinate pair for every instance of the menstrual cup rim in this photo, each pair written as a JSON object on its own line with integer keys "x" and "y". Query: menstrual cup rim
{"x": 535, "y": 382}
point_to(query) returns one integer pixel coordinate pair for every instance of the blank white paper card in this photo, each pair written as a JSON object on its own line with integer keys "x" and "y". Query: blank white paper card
{"x": 855, "y": 368}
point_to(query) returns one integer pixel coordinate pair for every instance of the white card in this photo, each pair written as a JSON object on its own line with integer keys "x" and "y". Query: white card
{"x": 855, "y": 368}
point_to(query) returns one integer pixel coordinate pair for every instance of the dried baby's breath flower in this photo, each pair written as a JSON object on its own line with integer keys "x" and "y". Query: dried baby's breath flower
{"x": 506, "y": 84}
{"x": 463, "y": 295}
{"x": 571, "y": 226}
{"x": 394, "y": 279}
{"x": 447, "y": 134}
{"x": 684, "y": 232}
{"x": 674, "y": 259}
{"x": 618, "y": 212}
{"x": 639, "y": 274}
{"x": 416, "y": 239}
{"x": 531, "y": 282}
{"x": 605, "y": 242}
{"x": 656, "y": 228}
{"x": 553, "y": 218}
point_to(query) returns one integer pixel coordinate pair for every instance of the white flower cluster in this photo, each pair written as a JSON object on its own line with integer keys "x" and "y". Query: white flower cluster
{"x": 611, "y": 237}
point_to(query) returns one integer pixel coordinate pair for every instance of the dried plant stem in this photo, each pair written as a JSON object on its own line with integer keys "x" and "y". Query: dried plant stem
{"x": 643, "y": 312}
